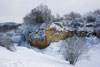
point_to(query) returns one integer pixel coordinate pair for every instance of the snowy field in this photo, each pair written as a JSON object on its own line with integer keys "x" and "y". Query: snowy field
{"x": 24, "y": 57}
{"x": 49, "y": 57}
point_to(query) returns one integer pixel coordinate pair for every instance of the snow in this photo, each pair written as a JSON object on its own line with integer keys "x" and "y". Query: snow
{"x": 54, "y": 50}
{"x": 65, "y": 27}
{"x": 56, "y": 27}
{"x": 93, "y": 60}
{"x": 25, "y": 57}
{"x": 48, "y": 57}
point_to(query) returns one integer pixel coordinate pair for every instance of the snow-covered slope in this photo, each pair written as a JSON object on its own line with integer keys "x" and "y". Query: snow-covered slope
{"x": 49, "y": 57}
{"x": 92, "y": 61}
{"x": 25, "y": 57}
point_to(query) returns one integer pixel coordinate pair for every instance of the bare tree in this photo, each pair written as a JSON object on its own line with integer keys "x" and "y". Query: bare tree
{"x": 97, "y": 11}
{"x": 71, "y": 16}
{"x": 57, "y": 18}
{"x": 40, "y": 14}
{"x": 74, "y": 47}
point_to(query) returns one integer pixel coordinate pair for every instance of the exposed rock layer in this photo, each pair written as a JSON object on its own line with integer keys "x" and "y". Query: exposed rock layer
{"x": 52, "y": 34}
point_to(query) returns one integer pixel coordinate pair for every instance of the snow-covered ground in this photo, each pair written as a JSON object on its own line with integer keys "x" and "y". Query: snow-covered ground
{"x": 25, "y": 57}
{"x": 92, "y": 61}
{"x": 49, "y": 57}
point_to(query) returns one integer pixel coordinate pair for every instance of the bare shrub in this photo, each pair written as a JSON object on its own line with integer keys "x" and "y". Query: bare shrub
{"x": 72, "y": 16}
{"x": 73, "y": 48}
{"x": 5, "y": 41}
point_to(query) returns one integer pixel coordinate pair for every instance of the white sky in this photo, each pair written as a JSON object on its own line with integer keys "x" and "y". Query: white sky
{"x": 15, "y": 10}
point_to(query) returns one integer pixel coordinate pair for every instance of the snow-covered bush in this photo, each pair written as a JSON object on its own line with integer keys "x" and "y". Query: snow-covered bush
{"x": 5, "y": 41}
{"x": 17, "y": 38}
{"x": 88, "y": 22}
{"x": 90, "y": 18}
{"x": 73, "y": 48}
{"x": 26, "y": 30}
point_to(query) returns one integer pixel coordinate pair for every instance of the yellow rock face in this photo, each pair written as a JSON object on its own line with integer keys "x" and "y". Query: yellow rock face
{"x": 39, "y": 43}
{"x": 56, "y": 32}
{"x": 55, "y": 36}
{"x": 51, "y": 36}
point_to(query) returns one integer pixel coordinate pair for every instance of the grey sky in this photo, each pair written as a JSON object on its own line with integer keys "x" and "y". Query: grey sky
{"x": 14, "y": 10}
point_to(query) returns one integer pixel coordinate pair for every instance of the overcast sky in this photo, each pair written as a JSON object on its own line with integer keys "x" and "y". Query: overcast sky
{"x": 15, "y": 10}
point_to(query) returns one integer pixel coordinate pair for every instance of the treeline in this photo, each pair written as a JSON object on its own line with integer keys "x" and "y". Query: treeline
{"x": 42, "y": 14}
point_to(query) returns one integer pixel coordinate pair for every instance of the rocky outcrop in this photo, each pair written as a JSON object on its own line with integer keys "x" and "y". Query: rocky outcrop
{"x": 38, "y": 39}
{"x": 57, "y": 31}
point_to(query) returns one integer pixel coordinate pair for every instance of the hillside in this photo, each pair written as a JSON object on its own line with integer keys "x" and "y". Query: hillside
{"x": 24, "y": 57}
{"x": 49, "y": 57}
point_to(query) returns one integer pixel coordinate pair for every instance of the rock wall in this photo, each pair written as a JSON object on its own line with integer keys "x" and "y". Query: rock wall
{"x": 56, "y": 32}
{"x": 55, "y": 36}
{"x": 51, "y": 36}
{"x": 39, "y": 43}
